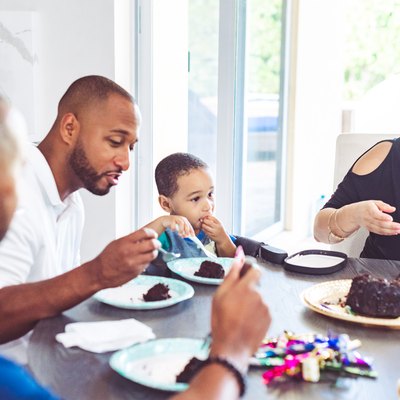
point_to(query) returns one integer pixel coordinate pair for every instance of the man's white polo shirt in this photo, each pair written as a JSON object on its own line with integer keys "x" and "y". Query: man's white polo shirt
{"x": 45, "y": 234}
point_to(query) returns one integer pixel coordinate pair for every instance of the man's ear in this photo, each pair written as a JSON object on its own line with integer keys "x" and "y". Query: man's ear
{"x": 69, "y": 128}
{"x": 165, "y": 203}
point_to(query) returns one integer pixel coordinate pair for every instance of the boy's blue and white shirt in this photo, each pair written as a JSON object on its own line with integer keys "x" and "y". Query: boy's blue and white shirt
{"x": 171, "y": 241}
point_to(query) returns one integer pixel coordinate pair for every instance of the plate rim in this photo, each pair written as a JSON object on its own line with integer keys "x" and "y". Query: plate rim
{"x": 194, "y": 278}
{"x": 390, "y": 323}
{"x": 176, "y": 387}
{"x": 316, "y": 271}
{"x": 151, "y": 305}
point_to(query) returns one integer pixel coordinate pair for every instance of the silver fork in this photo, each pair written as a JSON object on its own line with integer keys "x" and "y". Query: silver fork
{"x": 200, "y": 245}
{"x": 168, "y": 256}
{"x": 204, "y": 349}
{"x": 206, "y": 342}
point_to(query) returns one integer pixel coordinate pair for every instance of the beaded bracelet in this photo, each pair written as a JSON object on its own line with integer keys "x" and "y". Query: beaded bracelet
{"x": 229, "y": 366}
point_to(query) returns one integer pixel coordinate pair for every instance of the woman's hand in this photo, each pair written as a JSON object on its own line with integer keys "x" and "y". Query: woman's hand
{"x": 374, "y": 215}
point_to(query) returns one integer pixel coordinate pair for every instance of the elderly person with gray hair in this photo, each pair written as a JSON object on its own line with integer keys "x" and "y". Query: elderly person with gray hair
{"x": 10, "y": 158}
{"x": 15, "y": 382}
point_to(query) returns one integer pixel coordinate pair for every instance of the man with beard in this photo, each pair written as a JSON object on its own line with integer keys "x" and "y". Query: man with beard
{"x": 88, "y": 147}
{"x": 235, "y": 334}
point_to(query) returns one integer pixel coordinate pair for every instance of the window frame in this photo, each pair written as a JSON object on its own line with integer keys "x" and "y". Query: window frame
{"x": 230, "y": 123}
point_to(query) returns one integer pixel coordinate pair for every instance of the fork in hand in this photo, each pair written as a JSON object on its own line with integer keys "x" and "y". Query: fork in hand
{"x": 201, "y": 246}
{"x": 168, "y": 256}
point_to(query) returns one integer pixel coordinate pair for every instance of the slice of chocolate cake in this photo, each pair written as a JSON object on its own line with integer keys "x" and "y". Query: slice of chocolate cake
{"x": 246, "y": 267}
{"x": 157, "y": 292}
{"x": 374, "y": 297}
{"x": 209, "y": 269}
{"x": 189, "y": 371}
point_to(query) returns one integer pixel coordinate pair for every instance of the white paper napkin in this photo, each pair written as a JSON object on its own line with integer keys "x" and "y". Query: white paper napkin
{"x": 102, "y": 336}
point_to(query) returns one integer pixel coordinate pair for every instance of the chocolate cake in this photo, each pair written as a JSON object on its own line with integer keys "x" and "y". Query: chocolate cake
{"x": 246, "y": 267}
{"x": 189, "y": 371}
{"x": 209, "y": 269}
{"x": 374, "y": 297}
{"x": 157, "y": 292}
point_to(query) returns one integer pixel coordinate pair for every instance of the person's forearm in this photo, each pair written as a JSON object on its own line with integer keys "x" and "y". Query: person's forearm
{"x": 156, "y": 225}
{"x": 346, "y": 219}
{"x": 340, "y": 222}
{"x": 321, "y": 230}
{"x": 22, "y": 306}
{"x": 213, "y": 382}
{"x": 226, "y": 247}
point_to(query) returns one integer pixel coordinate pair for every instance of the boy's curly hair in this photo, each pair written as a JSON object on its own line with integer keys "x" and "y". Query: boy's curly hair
{"x": 171, "y": 168}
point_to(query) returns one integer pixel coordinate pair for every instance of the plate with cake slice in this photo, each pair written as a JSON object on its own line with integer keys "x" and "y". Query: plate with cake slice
{"x": 159, "y": 363}
{"x": 364, "y": 300}
{"x": 210, "y": 271}
{"x": 146, "y": 292}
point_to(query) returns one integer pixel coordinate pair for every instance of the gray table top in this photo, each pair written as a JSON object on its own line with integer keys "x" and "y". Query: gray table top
{"x": 77, "y": 374}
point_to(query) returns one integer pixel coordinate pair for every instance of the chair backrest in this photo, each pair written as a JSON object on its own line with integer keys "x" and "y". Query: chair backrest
{"x": 349, "y": 146}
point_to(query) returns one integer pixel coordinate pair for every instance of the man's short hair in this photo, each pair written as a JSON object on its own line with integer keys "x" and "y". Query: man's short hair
{"x": 171, "y": 168}
{"x": 88, "y": 90}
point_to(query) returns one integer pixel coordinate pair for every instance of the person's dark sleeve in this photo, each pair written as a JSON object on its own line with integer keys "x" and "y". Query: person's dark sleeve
{"x": 347, "y": 192}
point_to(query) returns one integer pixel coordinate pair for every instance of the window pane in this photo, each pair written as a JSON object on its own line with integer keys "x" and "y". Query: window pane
{"x": 203, "y": 79}
{"x": 263, "y": 74}
{"x": 371, "y": 67}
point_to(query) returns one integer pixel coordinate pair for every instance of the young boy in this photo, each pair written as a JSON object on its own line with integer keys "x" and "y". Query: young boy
{"x": 186, "y": 192}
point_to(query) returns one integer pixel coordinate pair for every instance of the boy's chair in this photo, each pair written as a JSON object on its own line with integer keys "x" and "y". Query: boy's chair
{"x": 261, "y": 250}
{"x": 349, "y": 146}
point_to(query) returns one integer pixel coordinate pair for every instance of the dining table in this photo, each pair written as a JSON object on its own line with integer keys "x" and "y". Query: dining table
{"x": 76, "y": 374}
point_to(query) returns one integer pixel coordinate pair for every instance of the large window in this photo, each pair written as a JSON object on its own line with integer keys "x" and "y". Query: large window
{"x": 228, "y": 54}
{"x": 262, "y": 189}
{"x": 371, "y": 66}
{"x": 203, "y": 27}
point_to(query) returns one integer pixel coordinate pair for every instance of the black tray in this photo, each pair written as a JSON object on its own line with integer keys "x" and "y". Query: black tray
{"x": 314, "y": 268}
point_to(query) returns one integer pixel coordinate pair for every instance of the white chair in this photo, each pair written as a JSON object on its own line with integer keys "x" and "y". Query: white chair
{"x": 349, "y": 146}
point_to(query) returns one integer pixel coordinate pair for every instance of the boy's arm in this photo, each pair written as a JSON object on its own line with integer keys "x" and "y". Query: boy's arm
{"x": 214, "y": 229}
{"x": 173, "y": 222}
{"x": 226, "y": 248}
{"x": 157, "y": 225}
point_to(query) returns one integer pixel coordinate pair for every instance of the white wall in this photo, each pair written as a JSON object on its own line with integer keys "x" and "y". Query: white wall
{"x": 71, "y": 39}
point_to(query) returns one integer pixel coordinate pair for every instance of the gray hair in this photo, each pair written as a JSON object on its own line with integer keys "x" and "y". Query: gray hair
{"x": 10, "y": 147}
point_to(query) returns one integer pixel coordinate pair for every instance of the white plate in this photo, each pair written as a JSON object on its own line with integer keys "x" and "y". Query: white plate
{"x": 130, "y": 295}
{"x": 186, "y": 267}
{"x": 156, "y": 363}
{"x": 324, "y": 298}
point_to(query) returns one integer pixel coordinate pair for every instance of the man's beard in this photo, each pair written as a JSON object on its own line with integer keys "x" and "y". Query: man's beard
{"x": 85, "y": 172}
